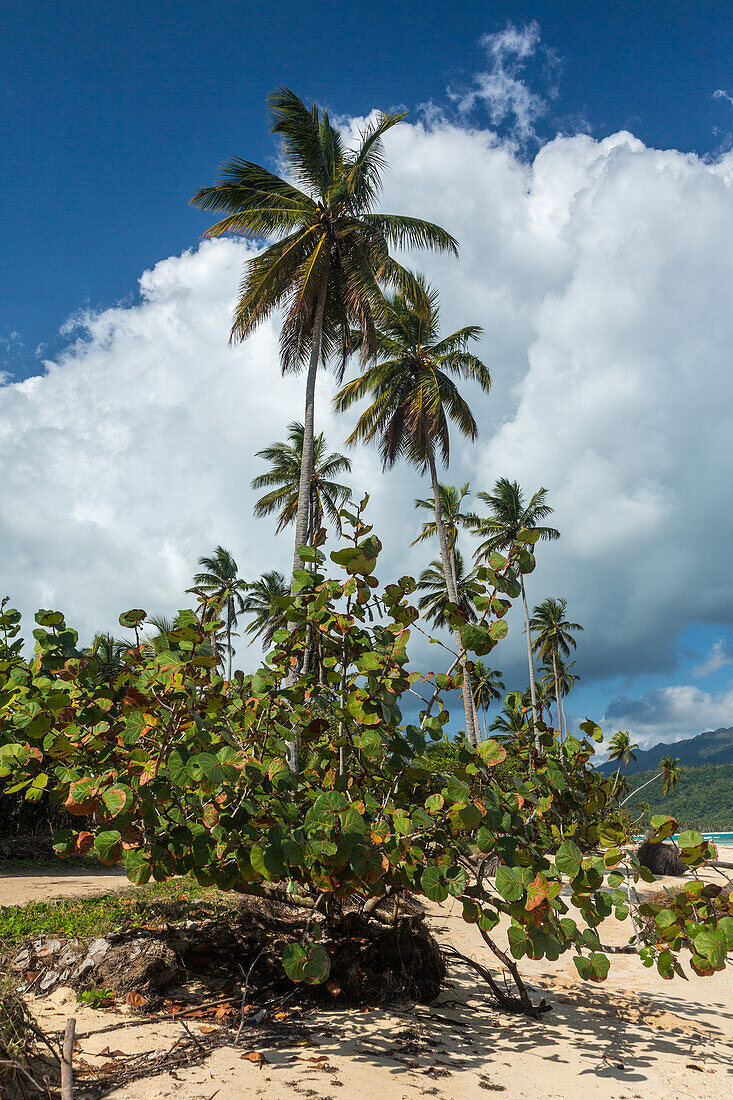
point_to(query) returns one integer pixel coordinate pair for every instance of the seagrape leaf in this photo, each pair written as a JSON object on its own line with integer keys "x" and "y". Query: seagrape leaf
{"x": 511, "y": 882}
{"x": 663, "y": 826}
{"x": 568, "y": 859}
{"x": 133, "y": 618}
{"x": 491, "y": 752}
{"x": 309, "y": 963}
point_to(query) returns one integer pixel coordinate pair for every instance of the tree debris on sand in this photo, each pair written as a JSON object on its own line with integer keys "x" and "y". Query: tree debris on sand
{"x": 370, "y": 963}
{"x": 29, "y": 1066}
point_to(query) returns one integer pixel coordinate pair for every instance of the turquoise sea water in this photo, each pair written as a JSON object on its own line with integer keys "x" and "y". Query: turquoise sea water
{"x": 717, "y": 838}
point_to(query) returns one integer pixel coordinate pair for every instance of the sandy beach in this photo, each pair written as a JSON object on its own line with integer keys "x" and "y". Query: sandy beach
{"x": 634, "y": 1036}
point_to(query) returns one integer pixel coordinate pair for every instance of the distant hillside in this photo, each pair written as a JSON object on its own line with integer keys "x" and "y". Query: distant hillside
{"x": 703, "y": 798}
{"x": 713, "y": 747}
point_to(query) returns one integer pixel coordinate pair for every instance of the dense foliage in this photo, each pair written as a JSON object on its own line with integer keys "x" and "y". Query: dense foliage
{"x": 702, "y": 799}
{"x": 177, "y": 770}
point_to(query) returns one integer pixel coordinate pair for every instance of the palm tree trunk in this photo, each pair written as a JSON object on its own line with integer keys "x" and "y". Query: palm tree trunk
{"x": 532, "y": 691}
{"x": 641, "y": 788}
{"x": 472, "y": 727}
{"x": 564, "y": 722}
{"x": 557, "y": 694}
{"x": 302, "y": 515}
{"x": 229, "y": 637}
{"x": 306, "y": 472}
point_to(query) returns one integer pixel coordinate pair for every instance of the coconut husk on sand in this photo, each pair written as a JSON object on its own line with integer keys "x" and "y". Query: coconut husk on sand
{"x": 661, "y": 859}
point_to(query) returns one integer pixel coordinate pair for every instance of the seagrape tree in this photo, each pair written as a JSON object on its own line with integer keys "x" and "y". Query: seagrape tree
{"x": 175, "y": 770}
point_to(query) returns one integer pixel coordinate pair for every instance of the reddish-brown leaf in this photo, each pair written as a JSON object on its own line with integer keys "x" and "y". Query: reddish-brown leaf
{"x": 256, "y": 1057}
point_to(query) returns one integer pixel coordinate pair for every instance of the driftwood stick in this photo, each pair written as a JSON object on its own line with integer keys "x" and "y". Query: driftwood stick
{"x": 67, "y": 1070}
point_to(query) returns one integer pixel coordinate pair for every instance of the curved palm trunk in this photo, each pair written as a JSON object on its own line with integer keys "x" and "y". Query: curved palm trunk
{"x": 472, "y": 727}
{"x": 532, "y": 690}
{"x": 564, "y": 722}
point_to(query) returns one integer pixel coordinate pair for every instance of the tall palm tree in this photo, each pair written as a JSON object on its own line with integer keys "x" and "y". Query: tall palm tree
{"x": 330, "y": 250}
{"x": 451, "y": 502}
{"x": 564, "y": 682}
{"x": 544, "y": 694}
{"x": 327, "y": 496}
{"x": 224, "y": 587}
{"x": 488, "y": 686}
{"x": 669, "y": 767}
{"x": 261, "y": 603}
{"x": 553, "y": 637}
{"x": 434, "y": 604}
{"x": 413, "y": 398}
{"x": 669, "y": 773}
{"x": 621, "y": 748}
{"x": 510, "y": 511}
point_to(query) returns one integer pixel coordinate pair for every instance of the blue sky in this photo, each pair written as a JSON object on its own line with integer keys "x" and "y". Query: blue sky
{"x": 581, "y": 153}
{"x": 114, "y": 114}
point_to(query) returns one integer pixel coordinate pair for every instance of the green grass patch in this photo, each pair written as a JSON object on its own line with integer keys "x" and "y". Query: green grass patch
{"x": 154, "y": 904}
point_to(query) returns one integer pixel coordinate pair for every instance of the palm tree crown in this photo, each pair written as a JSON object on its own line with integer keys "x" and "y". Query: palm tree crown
{"x": 451, "y": 501}
{"x": 223, "y": 586}
{"x": 510, "y": 511}
{"x": 669, "y": 767}
{"x": 411, "y": 384}
{"x": 487, "y": 685}
{"x": 329, "y": 241}
{"x": 553, "y": 632}
{"x": 621, "y": 747}
{"x": 283, "y": 478}
{"x": 434, "y": 604}
{"x": 553, "y": 639}
{"x": 261, "y": 603}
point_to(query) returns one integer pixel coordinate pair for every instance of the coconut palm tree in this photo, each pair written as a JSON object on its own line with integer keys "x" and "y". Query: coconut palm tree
{"x": 261, "y": 603}
{"x": 510, "y": 512}
{"x": 553, "y": 637}
{"x": 544, "y": 698}
{"x": 106, "y": 655}
{"x": 162, "y": 625}
{"x": 434, "y": 604}
{"x": 451, "y": 501}
{"x": 621, "y": 748}
{"x": 283, "y": 479}
{"x": 223, "y": 586}
{"x": 488, "y": 686}
{"x": 413, "y": 398}
{"x": 330, "y": 252}
{"x": 511, "y": 720}
{"x": 565, "y": 681}
{"x": 669, "y": 773}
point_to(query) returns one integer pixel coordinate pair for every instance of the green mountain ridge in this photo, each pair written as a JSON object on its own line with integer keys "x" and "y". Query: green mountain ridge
{"x": 703, "y": 798}
{"x": 711, "y": 747}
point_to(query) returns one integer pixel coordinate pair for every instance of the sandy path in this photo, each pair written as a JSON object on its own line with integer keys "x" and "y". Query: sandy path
{"x": 635, "y": 1036}
{"x": 20, "y": 887}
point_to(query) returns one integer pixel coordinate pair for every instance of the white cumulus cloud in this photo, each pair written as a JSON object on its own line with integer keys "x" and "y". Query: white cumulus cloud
{"x": 601, "y": 273}
{"x": 670, "y": 714}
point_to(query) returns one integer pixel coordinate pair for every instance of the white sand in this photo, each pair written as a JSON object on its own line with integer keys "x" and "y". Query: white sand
{"x": 634, "y": 1036}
